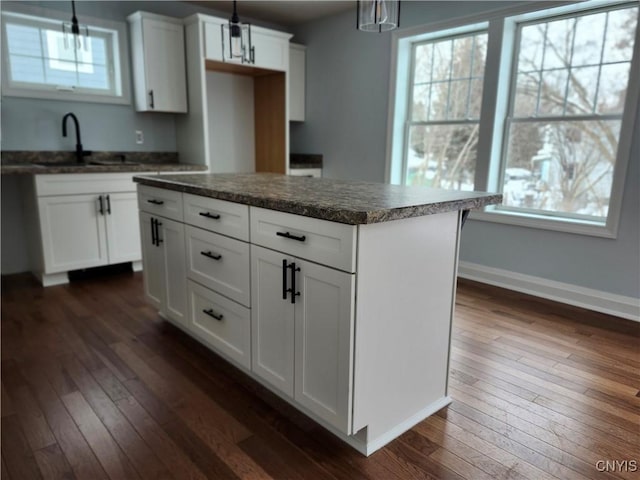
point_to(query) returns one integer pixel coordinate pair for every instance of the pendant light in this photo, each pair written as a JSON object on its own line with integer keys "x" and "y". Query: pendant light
{"x": 239, "y": 39}
{"x": 76, "y": 30}
{"x": 378, "y": 15}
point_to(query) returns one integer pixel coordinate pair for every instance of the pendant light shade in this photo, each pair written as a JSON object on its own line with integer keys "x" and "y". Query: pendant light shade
{"x": 76, "y": 30}
{"x": 236, "y": 40}
{"x": 378, "y": 15}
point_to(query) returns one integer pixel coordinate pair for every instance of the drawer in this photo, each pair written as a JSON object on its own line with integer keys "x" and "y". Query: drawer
{"x": 321, "y": 241}
{"x": 219, "y": 216}
{"x": 220, "y": 323}
{"x": 220, "y": 263}
{"x": 84, "y": 183}
{"x": 159, "y": 201}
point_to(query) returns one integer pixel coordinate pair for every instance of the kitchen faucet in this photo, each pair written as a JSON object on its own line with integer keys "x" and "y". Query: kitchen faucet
{"x": 80, "y": 153}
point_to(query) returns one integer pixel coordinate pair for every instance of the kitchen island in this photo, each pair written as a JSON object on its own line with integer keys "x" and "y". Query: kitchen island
{"x": 338, "y": 296}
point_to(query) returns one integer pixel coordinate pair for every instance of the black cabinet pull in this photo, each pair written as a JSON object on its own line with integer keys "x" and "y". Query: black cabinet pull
{"x": 153, "y": 231}
{"x": 284, "y": 280}
{"x": 214, "y": 256}
{"x": 152, "y": 104}
{"x": 292, "y": 237}
{"x": 101, "y": 209}
{"x": 211, "y": 313}
{"x": 213, "y": 216}
{"x": 108, "y": 205}
{"x": 294, "y": 294}
{"x": 158, "y": 239}
{"x": 156, "y": 202}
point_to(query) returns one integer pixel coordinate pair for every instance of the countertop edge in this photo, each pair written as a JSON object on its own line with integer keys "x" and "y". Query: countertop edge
{"x": 32, "y": 169}
{"x": 349, "y": 217}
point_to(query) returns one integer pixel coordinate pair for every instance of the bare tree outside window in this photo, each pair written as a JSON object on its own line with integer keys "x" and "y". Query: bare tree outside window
{"x": 445, "y": 100}
{"x": 566, "y": 112}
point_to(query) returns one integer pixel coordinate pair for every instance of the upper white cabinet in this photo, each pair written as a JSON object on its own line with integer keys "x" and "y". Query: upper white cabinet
{"x": 297, "y": 61}
{"x": 270, "y": 48}
{"x": 158, "y": 58}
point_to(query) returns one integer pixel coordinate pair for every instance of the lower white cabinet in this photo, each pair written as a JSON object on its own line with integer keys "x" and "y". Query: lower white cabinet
{"x": 163, "y": 248}
{"x": 302, "y": 332}
{"x": 78, "y": 221}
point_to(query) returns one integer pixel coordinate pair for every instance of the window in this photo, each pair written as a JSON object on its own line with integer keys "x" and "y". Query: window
{"x": 442, "y": 130}
{"x": 567, "y": 99}
{"x": 42, "y": 61}
{"x": 548, "y": 124}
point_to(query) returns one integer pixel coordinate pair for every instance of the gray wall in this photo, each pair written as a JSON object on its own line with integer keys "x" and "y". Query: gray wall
{"x": 347, "y": 86}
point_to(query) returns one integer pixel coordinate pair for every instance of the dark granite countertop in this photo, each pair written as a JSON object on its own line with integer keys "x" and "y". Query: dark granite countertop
{"x": 341, "y": 201}
{"x": 51, "y": 162}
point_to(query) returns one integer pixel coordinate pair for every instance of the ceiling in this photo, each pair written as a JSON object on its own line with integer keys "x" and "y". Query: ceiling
{"x": 282, "y": 12}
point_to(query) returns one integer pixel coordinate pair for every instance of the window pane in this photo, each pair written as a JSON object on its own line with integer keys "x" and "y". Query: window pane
{"x": 420, "y": 105}
{"x": 553, "y": 92}
{"x": 26, "y": 69}
{"x": 613, "y": 88}
{"x": 422, "y": 66}
{"x": 23, "y": 40}
{"x": 531, "y": 48}
{"x": 526, "y": 98}
{"x": 561, "y": 167}
{"x": 557, "y": 51}
{"x": 587, "y": 47}
{"x": 621, "y": 29}
{"x": 442, "y": 156}
{"x": 581, "y": 95}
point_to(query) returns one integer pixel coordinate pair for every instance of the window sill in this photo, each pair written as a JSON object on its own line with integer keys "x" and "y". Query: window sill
{"x": 65, "y": 96}
{"x": 566, "y": 225}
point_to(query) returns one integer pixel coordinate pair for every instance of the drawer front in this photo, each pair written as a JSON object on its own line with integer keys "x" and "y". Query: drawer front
{"x": 220, "y": 263}
{"x": 327, "y": 243}
{"x": 218, "y": 216}
{"x": 84, "y": 183}
{"x": 158, "y": 201}
{"x": 222, "y": 324}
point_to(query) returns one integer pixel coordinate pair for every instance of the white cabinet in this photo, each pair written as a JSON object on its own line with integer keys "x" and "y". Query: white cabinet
{"x": 158, "y": 58}
{"x": 164, "y": 265}
{"x": 302, "y": 332}
{"x": 270, "y": 47}
{"x": 297, "y": 65}
{"x": 78, "y": 221}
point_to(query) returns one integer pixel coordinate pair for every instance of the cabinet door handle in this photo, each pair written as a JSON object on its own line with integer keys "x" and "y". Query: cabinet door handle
{"x": 158, "y": 239}
{"x": 213, "y": 216}
{"x": 294, "y": 294}
{"x": 152, "y": 103}
{"x": 101, "y": 207}
{"x": 108, "y": 204}
{"x": 153, "y": 231}
{"x": 292, "y": 237}
{"x": 156, "y": 202}
{"x": 284, "y": 279}
{"x": 252, "y": 54}
{"x": 211, "y": 313}
{"x": 214, "y": 256}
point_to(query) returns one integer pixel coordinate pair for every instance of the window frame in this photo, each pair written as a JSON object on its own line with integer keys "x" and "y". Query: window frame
{"x": 119, "y": 94}
{"x": 502, "y": 23}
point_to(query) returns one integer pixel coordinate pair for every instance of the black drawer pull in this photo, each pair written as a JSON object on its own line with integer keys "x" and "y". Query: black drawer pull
{"x": 211, "y": 313}
{"x": 292, "y": 237}
{"x": 156, "y": 202}
{"x": 214, "y": 256}
{"x": 213, "y": 216}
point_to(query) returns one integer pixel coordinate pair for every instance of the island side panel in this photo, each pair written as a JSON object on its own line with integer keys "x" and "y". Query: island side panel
{"x": 405, "y": 294}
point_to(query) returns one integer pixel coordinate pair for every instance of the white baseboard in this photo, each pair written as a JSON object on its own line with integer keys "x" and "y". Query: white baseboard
{"x": 599, "y": 301}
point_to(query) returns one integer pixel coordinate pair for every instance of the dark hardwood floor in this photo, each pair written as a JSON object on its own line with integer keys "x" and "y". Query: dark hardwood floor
{"x": 96, "y": 386}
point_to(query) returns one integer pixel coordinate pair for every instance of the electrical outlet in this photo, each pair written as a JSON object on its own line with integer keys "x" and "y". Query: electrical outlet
{"x": 139, "y": 137}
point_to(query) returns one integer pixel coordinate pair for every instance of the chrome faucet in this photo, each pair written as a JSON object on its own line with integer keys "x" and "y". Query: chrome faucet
{"x": 80, "y": 153}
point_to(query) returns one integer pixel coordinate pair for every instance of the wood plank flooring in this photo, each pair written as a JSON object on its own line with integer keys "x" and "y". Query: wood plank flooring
{"x": 96, "y": 386}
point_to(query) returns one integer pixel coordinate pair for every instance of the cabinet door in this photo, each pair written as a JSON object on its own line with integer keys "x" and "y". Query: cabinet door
{"x": 165, "y": 71}
{"x": 272, "y": 322}
{"x": 296, "y": 77}
{"x": 123, "y": 230}
{"x": 73, "y": 232}
{"x": 171, "y": 238}
{"x": 271, "y": 52}
{"x": 324, "y": 313}
{"x": 152, "y": 263}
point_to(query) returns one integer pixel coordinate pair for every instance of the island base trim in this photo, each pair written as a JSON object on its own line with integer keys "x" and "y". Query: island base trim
{"x": 376, "y": 444}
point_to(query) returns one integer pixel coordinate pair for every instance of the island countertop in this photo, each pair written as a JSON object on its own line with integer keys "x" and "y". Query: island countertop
{"x": 350, "y": 202}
